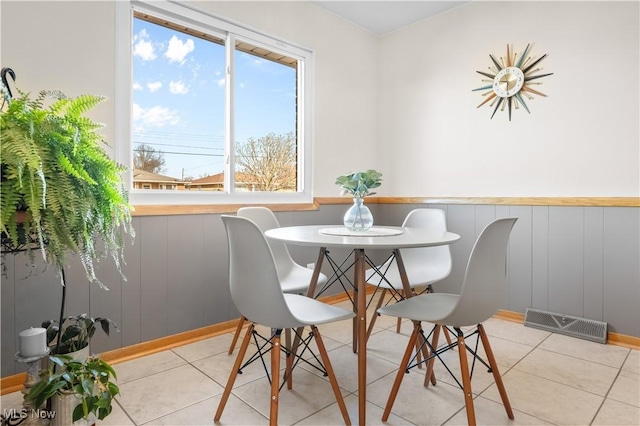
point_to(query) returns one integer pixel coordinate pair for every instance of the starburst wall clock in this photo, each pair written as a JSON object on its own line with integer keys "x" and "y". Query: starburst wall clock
{"x": 511, "y": 79}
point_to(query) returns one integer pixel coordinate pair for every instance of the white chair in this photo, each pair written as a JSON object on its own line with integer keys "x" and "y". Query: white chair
{"x": 294, "y": 277}
{"x": 257, "y": 292}
{"x": 424, "y": 266}
{"x": 483, "y": 290}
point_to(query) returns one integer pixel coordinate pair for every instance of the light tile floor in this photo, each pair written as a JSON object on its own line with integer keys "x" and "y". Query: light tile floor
{"x": 550, "y": 379}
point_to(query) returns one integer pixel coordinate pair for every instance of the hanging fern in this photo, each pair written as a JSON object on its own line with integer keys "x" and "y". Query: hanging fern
{"x": 55, "y": 169}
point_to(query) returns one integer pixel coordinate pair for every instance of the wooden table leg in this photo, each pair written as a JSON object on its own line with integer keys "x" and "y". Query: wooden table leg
{"x": 362, "y": 334}
{"x": 316, "y": 273}
{"x": 311, "y": 292}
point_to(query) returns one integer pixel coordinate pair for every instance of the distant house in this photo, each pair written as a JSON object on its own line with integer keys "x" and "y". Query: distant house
{"x": 244, "y": 182}
{"x": 147, "y": 180}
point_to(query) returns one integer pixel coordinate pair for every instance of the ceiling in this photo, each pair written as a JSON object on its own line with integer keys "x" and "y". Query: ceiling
{"x": 382, "y": 17}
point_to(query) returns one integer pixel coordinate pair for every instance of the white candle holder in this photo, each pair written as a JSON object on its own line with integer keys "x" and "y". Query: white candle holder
{"x": 33, "y": 417}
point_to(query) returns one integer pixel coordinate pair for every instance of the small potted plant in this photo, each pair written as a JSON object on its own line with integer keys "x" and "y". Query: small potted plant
{"x": 80, "y": 390}
{"x": 359, "y": 185}
{"x": 75, "y": 334}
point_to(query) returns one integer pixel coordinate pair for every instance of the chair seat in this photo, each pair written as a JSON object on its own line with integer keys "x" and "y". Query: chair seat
{"x": 432, "y": 307}
{"x": 298, "y": 279}
{"x": 310, "y": 311}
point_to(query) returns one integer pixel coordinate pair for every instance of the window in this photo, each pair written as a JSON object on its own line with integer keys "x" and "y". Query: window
{"x": 218, "y": 113}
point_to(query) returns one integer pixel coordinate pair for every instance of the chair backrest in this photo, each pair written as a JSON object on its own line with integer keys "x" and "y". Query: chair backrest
{"x": 265, "y": 219}
{"x": 485, "y": 282}
{"x": 437, "y": 258}
{"x": 253, "y": 277}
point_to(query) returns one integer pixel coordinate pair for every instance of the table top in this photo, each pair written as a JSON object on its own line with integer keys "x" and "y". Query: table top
{"x": 310, "y": 235}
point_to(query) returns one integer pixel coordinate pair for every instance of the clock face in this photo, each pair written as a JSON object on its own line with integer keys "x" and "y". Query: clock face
{"x": 508, "y": 82}
{"x": 511, "y": 81}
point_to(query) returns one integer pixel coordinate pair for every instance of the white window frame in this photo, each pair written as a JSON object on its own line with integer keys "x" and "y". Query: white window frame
{"x": 202, "y": 20}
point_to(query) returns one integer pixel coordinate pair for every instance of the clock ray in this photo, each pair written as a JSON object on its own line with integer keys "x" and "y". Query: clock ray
{"x": 483, "y": 88}
{"x": 497, "y": 106}
{"x": 524, "y": 55}
{"x": 497, "y": 64}
{"x": 533, "y": 77}
{"x": 530, "y": 90}
{"x": 514, "y": 74}
{"x": 491, "y": 96}
{"x": 486, "y": 74}
{"x": 534, "y": 63}
{"x": 524, "y": 105}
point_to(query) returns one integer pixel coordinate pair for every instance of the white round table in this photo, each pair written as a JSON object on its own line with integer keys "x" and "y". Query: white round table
{"x": 319, "y": 236}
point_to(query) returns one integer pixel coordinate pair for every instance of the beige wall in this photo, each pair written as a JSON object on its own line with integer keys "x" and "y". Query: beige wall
{"x": 582, "y": 140}
{"x": 67, "y": 46}
{"x": 403, "y": 103}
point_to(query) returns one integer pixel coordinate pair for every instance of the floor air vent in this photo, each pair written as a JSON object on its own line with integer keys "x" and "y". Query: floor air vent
{"x": 595, "y": 331}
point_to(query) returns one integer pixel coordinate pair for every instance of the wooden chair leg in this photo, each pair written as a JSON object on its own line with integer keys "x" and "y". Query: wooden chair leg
{"x": 447, "y": 336}
{"x": 234, "y": 372}
{"x": 289, "y": 359}
{"x": 236, "y": 335}
{"x": 420, "y": 352}
{"x": 401, "y": 372}
{"x": 430, "y": 376}
{"x": 494, "y": 369}
{"x": 399, "y": 321}
{"x": 275, "y": 378}
{"x": 332, "y": 377}
{"x": 466, "y": 380}
{"x": 375, "y": 312}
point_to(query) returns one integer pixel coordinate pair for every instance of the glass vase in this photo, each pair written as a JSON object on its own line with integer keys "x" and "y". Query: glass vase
{"x": 358, "y": 217}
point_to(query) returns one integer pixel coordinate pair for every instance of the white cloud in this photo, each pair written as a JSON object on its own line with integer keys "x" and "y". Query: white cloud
{"x": 137, "y": 112}
{"x": 154, "y": 86}
{"x": 221, "y": 82}
{"x": 142, "y": 47}
{"x": 178, "y": 88}
{"x": 195, "y": 70}
{"x": 156, "y": 116}
{"x": 178, "y": 50}
{"x": 137, "y": 86}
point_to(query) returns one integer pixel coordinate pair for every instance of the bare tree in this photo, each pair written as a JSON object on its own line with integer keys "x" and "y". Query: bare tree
{"x": 148, "y": 158}
{"x": 269, "y": 161}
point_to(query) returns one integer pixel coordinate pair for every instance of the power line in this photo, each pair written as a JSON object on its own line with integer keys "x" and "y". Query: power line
{"x": 184, "y": 153}
{"x": 178, "y": 145}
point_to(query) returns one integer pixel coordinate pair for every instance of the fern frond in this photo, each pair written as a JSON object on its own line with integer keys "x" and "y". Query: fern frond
{"x": 55, "y": 168}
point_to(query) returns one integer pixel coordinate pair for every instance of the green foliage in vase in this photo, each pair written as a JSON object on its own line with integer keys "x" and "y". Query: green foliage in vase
{"x": 56, "y": 171}
{"x": 91, "y": 380}
{"x": 359, "y": 184}
{"x": 77, "y": 332}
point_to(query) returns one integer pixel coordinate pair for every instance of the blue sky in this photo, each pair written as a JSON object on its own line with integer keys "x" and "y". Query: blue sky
{"x": 178, "y": 98}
